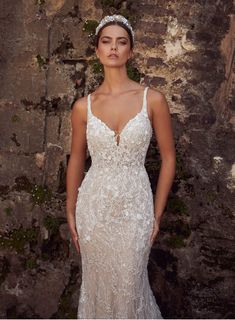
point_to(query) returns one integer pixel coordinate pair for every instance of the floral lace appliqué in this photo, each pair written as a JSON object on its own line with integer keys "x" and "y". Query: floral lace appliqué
{"x": 114, "y": 220}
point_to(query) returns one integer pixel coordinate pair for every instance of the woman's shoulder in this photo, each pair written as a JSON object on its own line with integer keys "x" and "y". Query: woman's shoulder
{"x": 155, "y": 94}
{"x": 79, "y": 108}
{"x": 80, "y": 104}
{"x": 157, "y": 100}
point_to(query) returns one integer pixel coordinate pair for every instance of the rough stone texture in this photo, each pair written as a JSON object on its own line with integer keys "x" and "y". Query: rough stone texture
{"x": 183, "y": 48}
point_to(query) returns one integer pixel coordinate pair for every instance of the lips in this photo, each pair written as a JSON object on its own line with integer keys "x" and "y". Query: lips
{"x": 113, "y": 55}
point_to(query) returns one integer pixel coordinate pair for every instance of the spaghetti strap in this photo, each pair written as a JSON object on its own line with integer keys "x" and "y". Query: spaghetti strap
{"x": 145, "y": 99}
{"x": 89, "y": 104}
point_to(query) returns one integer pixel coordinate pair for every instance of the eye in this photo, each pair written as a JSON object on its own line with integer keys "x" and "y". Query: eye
{"x": 123, "y": 42}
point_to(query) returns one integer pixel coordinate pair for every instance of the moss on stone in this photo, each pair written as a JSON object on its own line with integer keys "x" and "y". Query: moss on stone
{"x": 8, "y": 211}
{"x": 65, "y": 308}
{"x": 31, "y": 263}
{"x": 128, "y": 15}
{"x": 97, "y": 67}
{"x": 17, "y": 238}
{"x": 40, "y": 194}
{"x": 15, "y": 118}
{"x": 107, "y": 3}
{"x": 42, "y": 61}
{"x": 176, "y": 205}
{"x": 133, "y": 73}
{"x": 52, "y": 224}
{"x": 175, "y": 241}
{"x": 90, "y": 26}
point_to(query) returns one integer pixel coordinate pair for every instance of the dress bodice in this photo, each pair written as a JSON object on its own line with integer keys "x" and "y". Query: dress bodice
{"x": 133, "y": 142}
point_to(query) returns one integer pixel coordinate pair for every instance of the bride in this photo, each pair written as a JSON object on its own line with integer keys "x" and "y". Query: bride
{"x": 111, "y": 213}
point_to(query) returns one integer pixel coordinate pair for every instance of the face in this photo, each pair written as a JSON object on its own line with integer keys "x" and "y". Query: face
{"x": 114, "y": 46}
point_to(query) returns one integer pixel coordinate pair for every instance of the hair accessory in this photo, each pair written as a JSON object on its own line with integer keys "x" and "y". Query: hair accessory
{"x": 115, "y": 17}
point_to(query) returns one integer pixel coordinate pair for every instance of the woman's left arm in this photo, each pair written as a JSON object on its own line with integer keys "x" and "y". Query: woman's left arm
{"x": 162, "y": 125}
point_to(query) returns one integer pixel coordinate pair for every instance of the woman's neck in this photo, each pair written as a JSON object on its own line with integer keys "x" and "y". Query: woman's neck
{"x": 115, "y": 80}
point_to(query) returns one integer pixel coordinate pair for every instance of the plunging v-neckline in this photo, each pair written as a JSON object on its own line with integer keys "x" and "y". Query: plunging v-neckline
{"x": 125, "y": 126}
{"x": 114, "y": 132}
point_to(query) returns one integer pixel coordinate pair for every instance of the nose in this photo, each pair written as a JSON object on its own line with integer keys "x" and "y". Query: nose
{"x": 114, "y": 47}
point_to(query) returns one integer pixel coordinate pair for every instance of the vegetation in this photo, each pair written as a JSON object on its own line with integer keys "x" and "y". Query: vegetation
{"x": 175, "y": 241}
{"x": 42, "y": 61}
{"x": 18, "y": 238}
{"x": 176, "y": 205}
{"x": 90, "y": 26}
{"x": 52, "y": 223}
{"x": 40, "y": 194}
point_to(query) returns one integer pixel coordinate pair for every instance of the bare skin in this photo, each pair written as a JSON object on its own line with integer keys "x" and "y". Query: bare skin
{"x": 115, "y": 102}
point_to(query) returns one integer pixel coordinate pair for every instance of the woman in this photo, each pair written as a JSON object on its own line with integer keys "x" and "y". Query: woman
{"x": 111, "y": 214}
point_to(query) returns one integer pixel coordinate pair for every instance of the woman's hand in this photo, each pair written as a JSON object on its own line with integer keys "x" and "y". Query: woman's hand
{"x": 75, "y": 238}
{"x": 73, "y": 230}
{"x": 154, "y": 232}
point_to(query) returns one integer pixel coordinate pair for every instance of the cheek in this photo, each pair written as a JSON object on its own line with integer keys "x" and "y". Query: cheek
{"x": 102, "y": 50}
{"x": 125, "y": 51}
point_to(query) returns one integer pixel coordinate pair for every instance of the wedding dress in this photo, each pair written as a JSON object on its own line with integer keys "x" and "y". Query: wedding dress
{"x": 114, "y": 220}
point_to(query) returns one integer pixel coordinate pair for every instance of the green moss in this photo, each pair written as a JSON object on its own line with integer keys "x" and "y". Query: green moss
{"x": 176, "y": 205}
{"x": 40, "y": 194}
{"x": 17, "y": 239}
{"x": 8, "y": 211}
{"x": 90, "y": 26}
{"x": 107, "y": 3}
{"x": 42, "y": 61}
{"x": 65, "y": 308}
{"x": 31, "y": 263}
{"x": 175, "y": 241}
{"x": 128, "y": 15}
{"x": 52, "y": 224}
{"x": 133, "y": 73}
{"x": 15, "y": 118}
{"x": 97, "y": 67}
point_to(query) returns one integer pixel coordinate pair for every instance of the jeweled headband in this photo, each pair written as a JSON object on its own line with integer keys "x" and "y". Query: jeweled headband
{"x": 115, "y": 17}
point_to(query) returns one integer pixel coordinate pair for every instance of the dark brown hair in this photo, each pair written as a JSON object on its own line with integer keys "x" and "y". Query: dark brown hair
{"x": 115, "y": 23}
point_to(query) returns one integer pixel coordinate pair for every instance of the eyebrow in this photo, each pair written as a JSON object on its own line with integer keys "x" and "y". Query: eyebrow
{"x": 111, "y": 37}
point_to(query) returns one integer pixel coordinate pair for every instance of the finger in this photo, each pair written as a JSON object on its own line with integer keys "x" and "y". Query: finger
{"x": 76, "y": 244}
{"x": 77, "y": 248}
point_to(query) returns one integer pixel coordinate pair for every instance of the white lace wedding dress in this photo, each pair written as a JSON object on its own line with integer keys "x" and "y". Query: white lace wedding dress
{"x": 114, "y": 220}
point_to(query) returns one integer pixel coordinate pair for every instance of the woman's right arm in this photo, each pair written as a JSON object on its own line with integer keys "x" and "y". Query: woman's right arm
{"x": 76, "y": 164}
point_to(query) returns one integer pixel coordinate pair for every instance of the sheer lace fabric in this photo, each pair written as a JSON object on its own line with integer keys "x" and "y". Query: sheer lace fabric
{"x": 114, "y": 220}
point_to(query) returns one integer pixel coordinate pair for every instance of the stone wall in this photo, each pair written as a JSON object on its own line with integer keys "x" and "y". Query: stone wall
{"x": 184, "y": 49}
